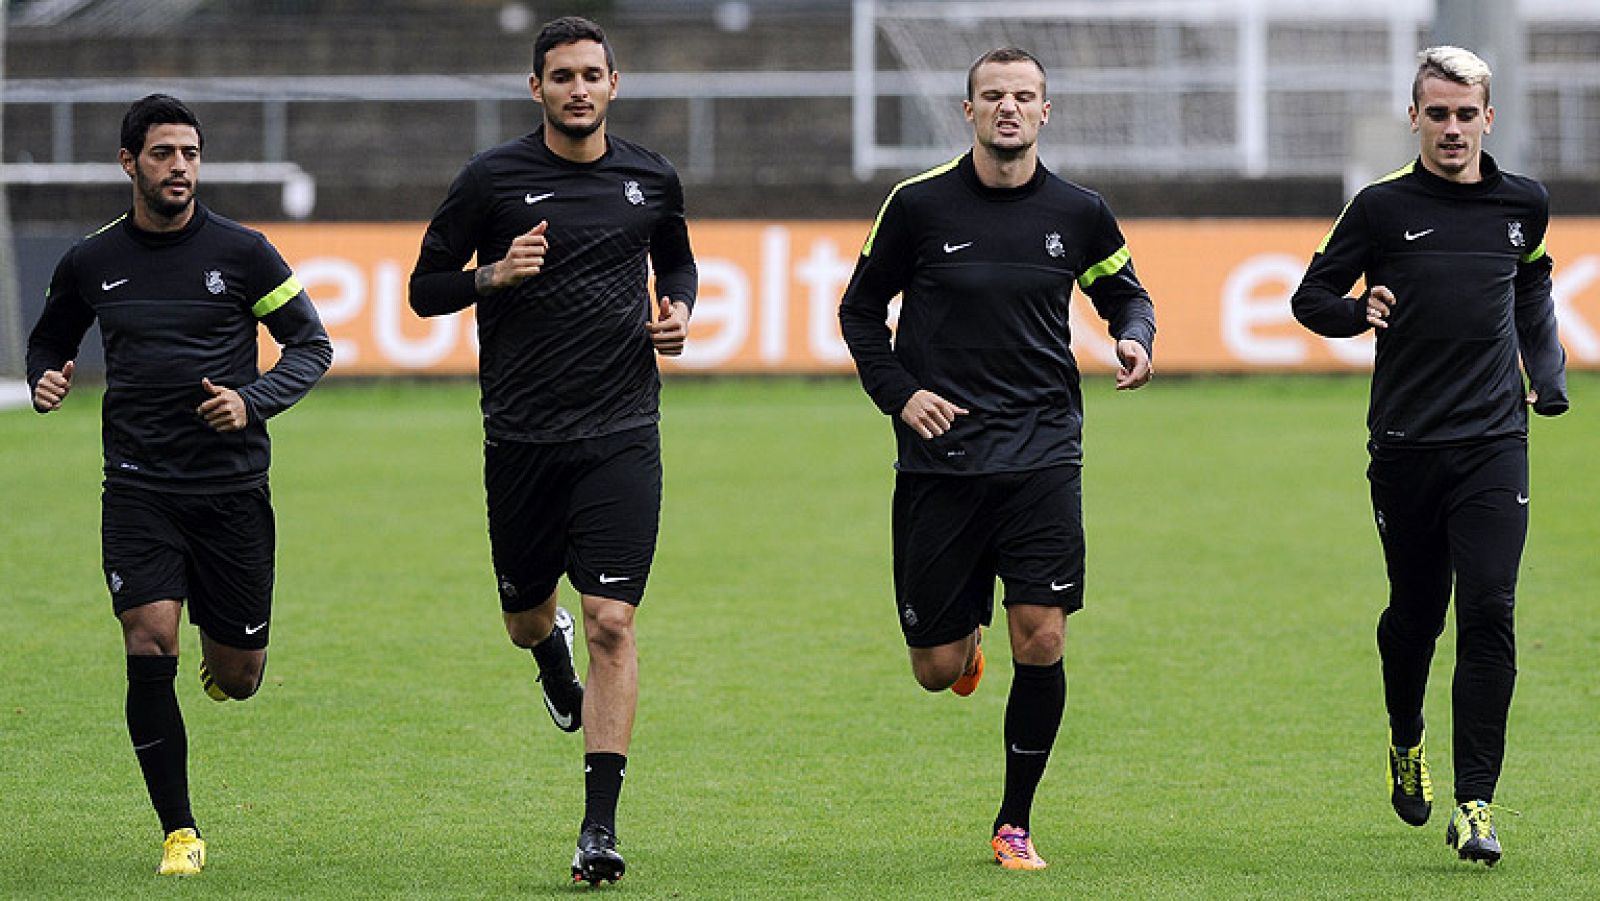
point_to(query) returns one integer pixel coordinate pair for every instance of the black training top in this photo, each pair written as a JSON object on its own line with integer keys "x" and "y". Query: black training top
{"x": 175, "y": 308}
{"x": 986, "y": 275}
{"x": 563, "y": 355}
{"x": 1471, "y": 281}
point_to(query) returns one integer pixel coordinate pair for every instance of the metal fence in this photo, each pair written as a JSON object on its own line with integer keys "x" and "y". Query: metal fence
{"x": 1225, "y": 87}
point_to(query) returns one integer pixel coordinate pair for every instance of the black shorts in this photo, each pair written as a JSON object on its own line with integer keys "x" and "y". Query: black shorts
{"x": 589, "y": 509}
{"x": 214, "y": 551}
{"x": 954, "y": 534}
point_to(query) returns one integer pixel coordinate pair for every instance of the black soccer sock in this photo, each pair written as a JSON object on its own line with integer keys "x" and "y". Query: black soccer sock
{"x": 602, "y": 785}
{"x": 1033, "y": 716}
{"x": 155, "y": 725}
{"x": 552, "y": 654}
{"x": 1405, "y": 732}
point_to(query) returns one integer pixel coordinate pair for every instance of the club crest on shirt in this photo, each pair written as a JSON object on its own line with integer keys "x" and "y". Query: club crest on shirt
{"x": 1514, "y": 234}
{"x": 631, "y": 190}
{"x": 214, "y": 282}
{"x": 1052, "y": 245}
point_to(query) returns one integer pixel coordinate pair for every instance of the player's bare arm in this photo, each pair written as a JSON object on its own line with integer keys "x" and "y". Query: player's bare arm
{"x": 1380, "y": 303}
{"x": 669, "y": 330}
{"x": 224, "y": 410}
{"x": 929, "y": 414}
{"x": 523, "y": 259}
{"x": 1134, "y": 369}
{"x": 52, "y": 388}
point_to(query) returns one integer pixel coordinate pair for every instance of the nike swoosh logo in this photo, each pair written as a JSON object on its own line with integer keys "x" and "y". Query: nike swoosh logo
{"x": 563, "y": 722}
{"x": 607, "y": 580}
{"x": 1062, "y": 586}
{"x": 1412, "y": 236}
{"x": 107, "y": 286}
{"x": 148, "y": 744}
{"x": 1522, "y": 499}
{"x": 251, "y": 630}
{"x": 952, "y": 248}
{"x": 535, "y": 198}
{"x": 1017, "y": 750}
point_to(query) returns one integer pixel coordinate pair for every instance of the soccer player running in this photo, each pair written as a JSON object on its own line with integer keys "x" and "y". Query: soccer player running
{"x": 561, "y": 221}
{"x": 1452, "y": 250}
{"x": 988, "y": 411}
{"x": 180, "y": 293}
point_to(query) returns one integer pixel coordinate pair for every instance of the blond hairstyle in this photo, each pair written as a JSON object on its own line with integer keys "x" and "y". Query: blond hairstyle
{"x": 1451, "y": 64}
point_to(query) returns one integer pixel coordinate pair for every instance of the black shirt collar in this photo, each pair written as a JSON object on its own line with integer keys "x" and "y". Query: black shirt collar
{"x": 1491, "y": 179}
{"x": 537, "y": 138}
{"x": 164, "y": 239}
{"x": 969, "y": 174}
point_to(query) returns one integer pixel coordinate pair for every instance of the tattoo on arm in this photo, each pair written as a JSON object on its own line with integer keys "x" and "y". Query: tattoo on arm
{"x": 483, "y": 280}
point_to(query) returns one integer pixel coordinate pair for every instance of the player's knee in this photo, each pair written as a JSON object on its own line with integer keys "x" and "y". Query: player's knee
{"x": 527, "y": 629}
{"x": 1399, "y": 624}
{"x": 147, "y": 633}
{"x": 237, "y": 684}
{"x": 238, "y": 680}
{"x": 935, "y": 675}
{"x": 1040, "y": 649}
{"x": 149, "y": 642}
{"x": 609, "y": 629}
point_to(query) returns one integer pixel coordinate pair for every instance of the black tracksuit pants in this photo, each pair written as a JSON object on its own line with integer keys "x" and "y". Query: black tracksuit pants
{"x": 1453, "y": 514}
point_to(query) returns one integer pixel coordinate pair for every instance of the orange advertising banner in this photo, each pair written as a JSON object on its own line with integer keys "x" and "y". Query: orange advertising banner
{"x": 769, "y": 292}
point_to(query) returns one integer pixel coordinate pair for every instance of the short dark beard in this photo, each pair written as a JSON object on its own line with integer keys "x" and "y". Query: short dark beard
{"x": 575, "y": 132}
{"x": 159, "y": 206}
{"x": 1009, "y": 154}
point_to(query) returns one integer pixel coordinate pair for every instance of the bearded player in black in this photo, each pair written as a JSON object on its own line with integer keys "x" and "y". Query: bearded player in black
{"x": 180, "y": 293}
{"x": 561, "y": 221}
{"x": 988, "y": 412}
{"x": 1458, "y": 287}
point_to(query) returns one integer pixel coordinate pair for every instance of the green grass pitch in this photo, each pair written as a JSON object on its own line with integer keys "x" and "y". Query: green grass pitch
{"x": 1224, "y": 732}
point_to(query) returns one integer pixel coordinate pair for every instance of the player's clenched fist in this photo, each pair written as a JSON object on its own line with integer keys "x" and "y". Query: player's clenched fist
{"x": 52, "y": 388}
{"x": 524, "y": 258}
{"x": 1133, "y": 365}
{"x": 929, "y": 414}
{"x": 1380, "y": 302}
{"x": 224, "y": 410}
{"x": 670, "y": 329}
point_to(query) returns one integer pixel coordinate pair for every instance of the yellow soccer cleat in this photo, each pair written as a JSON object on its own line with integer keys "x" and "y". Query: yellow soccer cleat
{"x": 1471, "y": 833}
{"x": 1013, "y": 849}
{"x": 182, "y": 854}
{"x": 210, "y": 685}
{"x": 1410, "y": 786}
{"x": 973, "y": 674}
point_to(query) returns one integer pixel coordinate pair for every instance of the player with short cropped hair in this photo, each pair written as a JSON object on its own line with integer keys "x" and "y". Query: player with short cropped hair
{"x": 1452, "y": 250}
{"x": 561, "y": 222}
{"x": 180, "y": 294}
{"x": 984, "y": 388}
